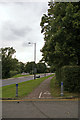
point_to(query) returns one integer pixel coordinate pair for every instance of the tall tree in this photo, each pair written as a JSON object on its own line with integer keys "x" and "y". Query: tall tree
{"x": 29, "y": 67}
{"x": 61, "y": 34}
{"x": 21, "y": 67}
{"x": 41, "y": 67}
{"x": 7, "y": 61}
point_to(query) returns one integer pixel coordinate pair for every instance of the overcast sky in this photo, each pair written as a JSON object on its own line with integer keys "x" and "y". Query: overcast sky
{"x": 20, "y": 24}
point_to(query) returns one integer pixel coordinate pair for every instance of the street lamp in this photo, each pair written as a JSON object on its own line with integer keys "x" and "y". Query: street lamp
{"x": 34, "y": 58}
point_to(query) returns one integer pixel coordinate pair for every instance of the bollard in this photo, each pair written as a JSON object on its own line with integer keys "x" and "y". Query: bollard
{"x": 16, "y": 90}
{"x": 61, "y": 88}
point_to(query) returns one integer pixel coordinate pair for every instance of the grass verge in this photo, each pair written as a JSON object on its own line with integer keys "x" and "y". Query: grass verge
{"x": 19, "y": 75}
{"x": 56, "y": 90}
{"x": 24, "y": 88}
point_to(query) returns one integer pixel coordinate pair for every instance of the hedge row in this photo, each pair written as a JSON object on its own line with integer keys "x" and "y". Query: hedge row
{"x": 58, "y": 75}
{"x": 70, "y": 75}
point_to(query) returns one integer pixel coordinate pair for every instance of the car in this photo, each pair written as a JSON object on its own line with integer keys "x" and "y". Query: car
{"x": 37, "y": 76}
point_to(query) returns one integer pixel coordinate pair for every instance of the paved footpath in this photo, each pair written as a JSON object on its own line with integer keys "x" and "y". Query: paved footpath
{"x": 42, "y": 91}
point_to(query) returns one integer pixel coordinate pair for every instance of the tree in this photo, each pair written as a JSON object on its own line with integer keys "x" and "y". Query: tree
{"x": 9, "y": 64}
{"x": 6, "y": 61}
{"x": 60, "y": 28}
{"x": 21, "y": 67}
{"x": 29, "y": 67}
{"x": 41, "y": 68}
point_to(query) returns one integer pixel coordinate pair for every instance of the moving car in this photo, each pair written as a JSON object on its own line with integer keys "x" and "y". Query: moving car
{"x": 37, "y": 76}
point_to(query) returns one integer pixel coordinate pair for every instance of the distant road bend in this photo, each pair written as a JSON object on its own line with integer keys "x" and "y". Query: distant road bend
{"x": 19, "y": 79}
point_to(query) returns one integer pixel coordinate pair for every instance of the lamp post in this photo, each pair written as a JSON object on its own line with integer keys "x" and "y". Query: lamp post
{"x": 34, "y": 58}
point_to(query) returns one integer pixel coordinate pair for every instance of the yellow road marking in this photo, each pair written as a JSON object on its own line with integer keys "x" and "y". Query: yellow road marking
{"x": 43, "y": 100}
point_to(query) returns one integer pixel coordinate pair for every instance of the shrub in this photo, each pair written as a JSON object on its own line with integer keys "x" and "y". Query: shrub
{"x": 71, "y": 78}
{"x": 12, "y": 73}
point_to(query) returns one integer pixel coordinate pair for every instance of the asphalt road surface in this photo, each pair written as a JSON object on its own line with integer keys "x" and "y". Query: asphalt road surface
{"x": 19, "y": 79}
{"x": 40, "y": 109}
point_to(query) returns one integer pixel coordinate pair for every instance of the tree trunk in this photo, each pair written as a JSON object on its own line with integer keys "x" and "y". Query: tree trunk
{"x": 78, "y": 62}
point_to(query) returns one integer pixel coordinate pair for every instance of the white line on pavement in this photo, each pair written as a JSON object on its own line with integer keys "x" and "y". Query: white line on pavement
{"x": 40, "y": 94}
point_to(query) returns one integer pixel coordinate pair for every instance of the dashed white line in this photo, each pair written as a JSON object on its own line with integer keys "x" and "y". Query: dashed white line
{"x": 40, "y": 94}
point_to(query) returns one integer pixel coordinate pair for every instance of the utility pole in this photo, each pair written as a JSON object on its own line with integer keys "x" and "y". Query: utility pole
{"x": 34, "y": 58}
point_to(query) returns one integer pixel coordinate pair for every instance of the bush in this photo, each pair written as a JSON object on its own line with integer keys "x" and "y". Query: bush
{"x": 71, "y": 78}
{"x": 12, "y": 73}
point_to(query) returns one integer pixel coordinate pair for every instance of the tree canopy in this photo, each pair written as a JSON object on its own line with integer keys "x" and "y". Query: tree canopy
{"x": 29, "y": 67}
{"x": 10, "y": 65}
{"x": 61, "y": 34}
{"x": 7, "y": 61}
{"x": 41, "y": 68}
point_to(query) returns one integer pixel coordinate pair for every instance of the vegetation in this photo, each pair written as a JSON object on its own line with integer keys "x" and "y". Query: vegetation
{"x": 56, "y": 90}
{"x": 19, "y": 75}
{"x": 30, "y": 67}
{"x": 11, "y": 66}
{"x": 41, "y": 68}
{"x": 61, "y": 34}
{"x": 71, "y": 78}
{"x": 60, "y": 27}
{"x": 24, "y": 88}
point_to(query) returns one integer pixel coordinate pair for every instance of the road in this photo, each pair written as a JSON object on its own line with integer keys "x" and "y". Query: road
{"x": 19, "y": 79}
{"x": 40, "y": 109}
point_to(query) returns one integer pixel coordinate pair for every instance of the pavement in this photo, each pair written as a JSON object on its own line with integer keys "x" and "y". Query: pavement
{"x": 40, "y": 109}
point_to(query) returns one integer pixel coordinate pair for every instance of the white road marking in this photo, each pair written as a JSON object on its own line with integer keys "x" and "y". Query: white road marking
{"x": 47, "y": 92}
{"x": 40, "y": 94}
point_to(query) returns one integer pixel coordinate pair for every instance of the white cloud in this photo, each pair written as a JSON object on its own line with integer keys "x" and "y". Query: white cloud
{"x": 11, "y": 31}
{"x": 20, "y": 23}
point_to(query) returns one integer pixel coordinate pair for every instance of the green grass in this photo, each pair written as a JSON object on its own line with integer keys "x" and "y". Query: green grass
{"x": 56, "y": 90}
{"x": 19, "y": 75}
{"x": 0, "y": 92}
{"x": 16, "y": 76}
{"x": 24, "y": 88}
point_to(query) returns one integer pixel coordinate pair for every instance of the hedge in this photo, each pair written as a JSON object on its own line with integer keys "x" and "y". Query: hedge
{"x": 70, "y": 75}
{"x": 58, "y": 75}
